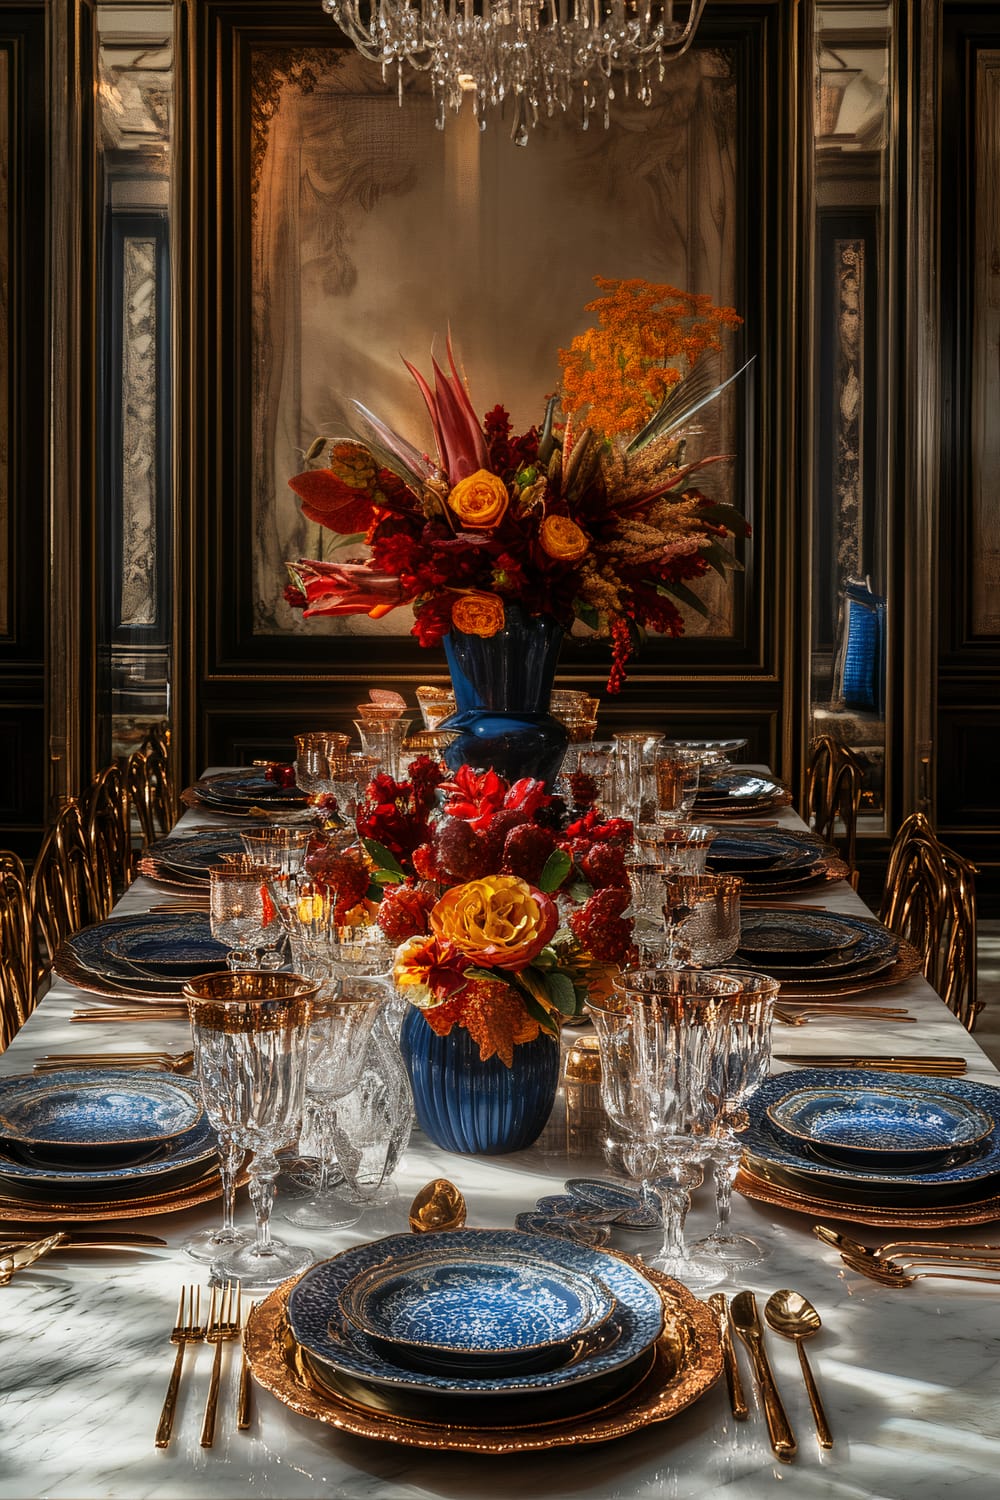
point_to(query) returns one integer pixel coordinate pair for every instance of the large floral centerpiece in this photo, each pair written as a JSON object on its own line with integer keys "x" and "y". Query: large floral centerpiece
{"x": 505, "y": 906}
{"x": 593, "y": 516}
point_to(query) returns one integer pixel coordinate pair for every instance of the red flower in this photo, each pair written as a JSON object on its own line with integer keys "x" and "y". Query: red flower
{"x": 345, "y": 588}
{"x": 388, "y": 815}
{"x": 433, "y": 620}
{"x": 474, "y": 796}
{"x": 601, "y": 928}
{"x": 404, "y": 910}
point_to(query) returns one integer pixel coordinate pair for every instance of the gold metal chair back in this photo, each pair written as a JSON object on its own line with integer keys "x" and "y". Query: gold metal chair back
{"x": 930, "y": 899}
{"x": 156, "y": 748}
{"x": 833, "y": 795}
{"x": 17, "y": 990}
{"x": 108, "y": 825}
{"x": 62, "y": 895}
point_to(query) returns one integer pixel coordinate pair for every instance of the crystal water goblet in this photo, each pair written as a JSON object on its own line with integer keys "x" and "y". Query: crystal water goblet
{"x": 746, "y": 1067}
{"x": 383, "y": 739}
{"x": 250, "y": 1034}
{"x": 312, "y": 752}
{"x": 663, "y": 1037}
{"x": 284, "y": 849}
{"x": 703, "y": 912}
{"x": 241, "y": 916}
{"x": 634, "y": 752}
{"x": 682, "y": 848}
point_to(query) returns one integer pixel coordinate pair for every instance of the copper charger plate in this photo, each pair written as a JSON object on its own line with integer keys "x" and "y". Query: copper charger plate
{"x": 203, "y": 1190}
{"x": 947, "y": 1216}
{"x": 907, "y": 963}
{"x": 68, "y": 967}
{"x": 687, "y": 1362}
{"x": 151, "y": 869}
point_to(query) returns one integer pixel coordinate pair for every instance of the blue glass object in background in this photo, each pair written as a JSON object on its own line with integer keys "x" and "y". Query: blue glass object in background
{"x": 502, "y": 686}
{"x": 479, "y": 1108}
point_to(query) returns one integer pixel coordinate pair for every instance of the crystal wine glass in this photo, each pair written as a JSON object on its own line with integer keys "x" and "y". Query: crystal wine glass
{"x": 704, "y": 912}
{"x": 250, "y": 1034}
{"x": 312, "y": 752}
{"x": 284, "y": 849}
{"x": 746, "y": 1067}
{"x": 663, "y": 1038}
{"x": 676, "y": 779}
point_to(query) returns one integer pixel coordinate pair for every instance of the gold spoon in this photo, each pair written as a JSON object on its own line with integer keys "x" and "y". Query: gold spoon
{"x": 437, "y": 1206}
{"x": 882, "y": 1254}
{"x": 789, "y": 1313}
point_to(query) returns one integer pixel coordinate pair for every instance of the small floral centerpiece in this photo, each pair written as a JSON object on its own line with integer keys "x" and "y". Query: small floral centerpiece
{"x": 593, "y": 517}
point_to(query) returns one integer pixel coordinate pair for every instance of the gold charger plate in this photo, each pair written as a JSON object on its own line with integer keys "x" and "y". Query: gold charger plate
{"x": 151, "y": 869}
{"x": 203, "y": 1190}
{"x": 946, "y": 1216}
{"x": 687, "y": 1362}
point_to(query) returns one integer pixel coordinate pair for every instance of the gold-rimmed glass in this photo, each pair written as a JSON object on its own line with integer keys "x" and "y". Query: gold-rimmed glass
{"x": 241, "y": 914}
{"x": 702, "y": 916}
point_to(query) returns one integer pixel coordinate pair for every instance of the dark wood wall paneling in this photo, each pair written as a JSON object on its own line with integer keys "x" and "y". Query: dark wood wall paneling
{"x": 24, "y": 547}
{"x": 244, "y": 696}
{"x": 968, "y": 676}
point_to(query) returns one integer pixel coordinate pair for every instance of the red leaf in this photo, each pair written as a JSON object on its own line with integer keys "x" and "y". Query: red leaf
{"x": 332, "y": 503}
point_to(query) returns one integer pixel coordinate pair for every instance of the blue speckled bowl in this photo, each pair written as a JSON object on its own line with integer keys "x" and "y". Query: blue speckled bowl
{"x": 78, "y": 1114}
{"x": 476, "y": 1311}
{"x": 859, "y": 1125}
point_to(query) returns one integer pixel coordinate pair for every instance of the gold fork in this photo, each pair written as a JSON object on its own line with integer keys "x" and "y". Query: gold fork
{"x": 173, "y": 1062}
{"x": 223, "y": 1325}
{"x": 187, "y": 1330}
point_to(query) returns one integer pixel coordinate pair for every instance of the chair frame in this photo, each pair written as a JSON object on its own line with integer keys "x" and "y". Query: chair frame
{"x": 833, "y": 783}
{"x": 17, "y": 980}
{"x": 930, "y": 899}
{"x": 63, "y": 895}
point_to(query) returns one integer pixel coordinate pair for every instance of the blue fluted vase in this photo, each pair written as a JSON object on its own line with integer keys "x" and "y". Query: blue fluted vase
{"x": 502, "y": 686}
{"x": 478, "y": 1108}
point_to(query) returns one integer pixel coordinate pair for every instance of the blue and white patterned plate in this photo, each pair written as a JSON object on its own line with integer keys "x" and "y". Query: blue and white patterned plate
{"x": 884, "y": 1128}
{"x": 95, "y": 1113}
{"x": 765, "y": 1144}
{"x": 106, "y": 948}
{"x": 617, "y": 1198}
{"x": 478, "y": 1312}
{"x": 316, "y": 1325}
{"x": 767, "y": 853}
{"x": 195, "y": 1148}
{"x": 594, "y": 1235}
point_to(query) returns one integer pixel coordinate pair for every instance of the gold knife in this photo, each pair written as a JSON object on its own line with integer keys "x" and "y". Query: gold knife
{"x": 737, "y": 1400}
{"x": 889, "y": 1064}
{"x": 746, "y": 1321}
{"x": 107, "y": 1239}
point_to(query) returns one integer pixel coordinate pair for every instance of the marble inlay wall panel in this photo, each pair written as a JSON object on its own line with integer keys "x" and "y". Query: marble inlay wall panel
{"x": 373, "y": 233}
{"x": 985, "y": 395}
{"x": 139, "y": 432}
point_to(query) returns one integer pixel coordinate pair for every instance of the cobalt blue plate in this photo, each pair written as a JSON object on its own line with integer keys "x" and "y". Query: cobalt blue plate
{"x": 475, "y": 1311}
{"x": 175, "y": 1156}
{"x": 617, "y": 1198}
{"x": 317, "y": 1325}
{"x": 594, "y": 1235}
{"x": 98, "y": 1112}
{"x": 864, "y": 1126}
{"x": 765, "y": 1144}
{"x": 164, "y": 951}
{"x": 103, "y": 948}
{"x": 764, "y": 854}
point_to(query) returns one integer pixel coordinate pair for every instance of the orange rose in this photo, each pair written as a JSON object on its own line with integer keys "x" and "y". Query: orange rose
{"x": 478, "y": 614}
{"x": 499, "y": 922}
{"x": 480, "y": 500}
{"x": 563, "y": 539}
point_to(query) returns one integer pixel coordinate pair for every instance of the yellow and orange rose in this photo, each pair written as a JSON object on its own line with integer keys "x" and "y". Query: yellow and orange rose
{"x": 479, "y": 614}
{"x": 429, "y": 972}
{"x": 480, "y": 500}
{"x": 562, "y": 539}
{"x": 498, "y": 922}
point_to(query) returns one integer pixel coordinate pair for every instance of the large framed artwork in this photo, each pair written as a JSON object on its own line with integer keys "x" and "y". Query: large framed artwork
{"x": 333, "y": 233}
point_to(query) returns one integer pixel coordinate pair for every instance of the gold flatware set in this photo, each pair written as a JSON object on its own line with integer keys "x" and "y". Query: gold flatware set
{"x": 168, "y": 1062}
{"x": 800, "y": 1014}
{"x": 224, "y": 1325}
{"x": 941, "y": 1066}
{"x": 792, "y": 1316}
{"x": 891, "y": 1264}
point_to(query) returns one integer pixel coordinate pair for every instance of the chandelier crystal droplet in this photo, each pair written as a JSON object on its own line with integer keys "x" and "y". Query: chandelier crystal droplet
{"x": 539, "y": 58}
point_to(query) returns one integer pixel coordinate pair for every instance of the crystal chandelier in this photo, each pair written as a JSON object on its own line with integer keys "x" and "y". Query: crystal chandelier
{"x": 539, "y": 57}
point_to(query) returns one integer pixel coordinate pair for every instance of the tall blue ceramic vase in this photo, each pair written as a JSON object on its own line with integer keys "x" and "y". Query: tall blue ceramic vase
{"x": 478, "y": 1108}
{"x": 502, "y": 685}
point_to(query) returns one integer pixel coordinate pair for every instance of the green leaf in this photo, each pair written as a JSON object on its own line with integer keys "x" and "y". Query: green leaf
{"x": 587, "y": 613}
{"x": 387, "y": 877}
{"x": 562, "y": 992}
{"x": 554, "y": 871}
{"x": 538, "y": 1013}
{"x": 385, "y": 861}
{"x": 481, "y": 974}
{"x": 681, "y": 592}
{"x": 374, "y": 892}
{"x": 580, "y": 890}
{"x": 724, "y": 515}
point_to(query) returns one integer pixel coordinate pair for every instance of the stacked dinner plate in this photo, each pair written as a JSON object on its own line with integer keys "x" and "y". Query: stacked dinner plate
{"x": 727, "y": 791}
{"x": 490, "y": 1340}
{"x": 102, "y": 1143}
{"x": 926, "y": 1150}
{"x": 823, "y": 953}
{"x": 246, "y": 794}
{"x": 146, "y": 956}
{"x": 184, "y": 863}
{"x": 774, "y": 861}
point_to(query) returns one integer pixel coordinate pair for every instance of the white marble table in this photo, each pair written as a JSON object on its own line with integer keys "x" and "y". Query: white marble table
{"x": 911, "y": 1378}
